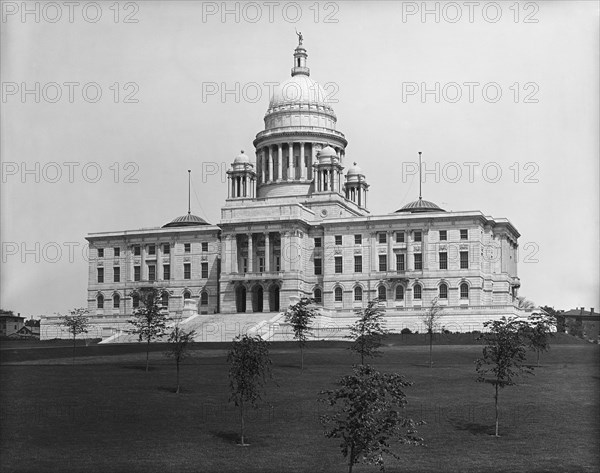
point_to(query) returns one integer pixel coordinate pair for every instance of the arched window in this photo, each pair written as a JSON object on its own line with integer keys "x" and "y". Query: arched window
{"x": 443, "y": 291}
{"x": 339, "y": 295}
{"x": 399, "y": 292}
{"x": 417, "y": 292}
{"x": 464, "y": 291}
{"x": 100, "y": 301}
{"x": 164, "y": 300}
{"x": 204, "y": 298}
{"x": 116, "y": 301}
{"x": 187, "y": 295}
{"x": 318, "y": 296}
{"x": 135, "y": 299}
{"x": 358, "y": 294}
{"x": 382, "y": 293}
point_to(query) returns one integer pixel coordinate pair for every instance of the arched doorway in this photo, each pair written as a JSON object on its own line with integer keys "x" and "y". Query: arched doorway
{"x": 274, "y": 298}
{"x": 240, "y": 299}
{"x": 257, "y": 298}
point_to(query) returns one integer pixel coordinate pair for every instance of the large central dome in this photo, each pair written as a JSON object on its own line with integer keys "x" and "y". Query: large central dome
{"x": 297, "y": 91}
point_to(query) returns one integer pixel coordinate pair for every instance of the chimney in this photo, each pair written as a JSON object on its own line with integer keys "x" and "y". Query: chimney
{"x": 581, "y": 311}
{"x": 592, "y": 310}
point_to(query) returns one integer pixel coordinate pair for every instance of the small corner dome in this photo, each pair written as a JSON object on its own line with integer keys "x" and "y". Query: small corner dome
{"x": 186, "y": 221}
{"x": 420, "y": 206}
{"x": 241, "y": 158}
{"x": 328, "y": 151}
{"x": 355, "y": 170}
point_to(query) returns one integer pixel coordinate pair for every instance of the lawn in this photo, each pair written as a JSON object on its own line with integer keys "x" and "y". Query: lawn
{"x": 106, "y": 414}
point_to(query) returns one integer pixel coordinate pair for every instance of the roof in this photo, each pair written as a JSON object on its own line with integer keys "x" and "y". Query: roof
{"x": 186, "y": 221}
{"x": 420, "y": 206}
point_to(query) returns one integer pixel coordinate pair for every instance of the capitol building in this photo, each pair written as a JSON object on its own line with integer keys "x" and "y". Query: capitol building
{"x": 296, "y": 222}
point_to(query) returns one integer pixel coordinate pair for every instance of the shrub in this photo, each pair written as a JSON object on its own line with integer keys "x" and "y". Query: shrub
{"x": 405, "y": 331}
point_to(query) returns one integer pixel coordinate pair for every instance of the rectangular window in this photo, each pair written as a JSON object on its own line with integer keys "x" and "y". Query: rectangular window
{"x": 443, "y": 235}
{"x": 358, "y": 264}
{"x": 117, "y": 251}
{"x": 338, "y": 265}
{"x": 166, "y": 272}
{"x": 204, "y": 246}
{"x": 100, "y": 252}
{"x": 245, "y": 264}
{"x": 400, "y": 262}
{"x": 358, "y": 239}
{"x": 464, "y": 260}
{"x": 277, "y": 263}
{"x": 204, "y": 270}
{"x": 166, "y": 249}
{"x": 137, "y": 273}
{"x": 137, "y": 250}
{"x": 187, "y": 247}
{"x": 383, "y": 238}
{"x": 418, "y": 236}
{"x": 443, "y": 260}
{"x": 464, "y": 234}
{"x": 151, "y": 249}
{"x": 338, "y": 240}
{"x": 399, "y": 237}
{"x": 382, "y": 262}
{"x": 116, "y": 274}
{"x": 100, "y": 274}
{"x": 261, "y": 264}
{"x": 318, "y": 266}
{"x": 151, "y": 272}
{"x": 187, "y": 271}
{"x": 318, "y": 242}
{"x": 418, "y": 261}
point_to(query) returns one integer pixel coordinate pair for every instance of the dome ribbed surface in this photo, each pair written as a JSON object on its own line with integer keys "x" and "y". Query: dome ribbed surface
{"x": 186, "y": 221}
{"x": 420, "y": 206}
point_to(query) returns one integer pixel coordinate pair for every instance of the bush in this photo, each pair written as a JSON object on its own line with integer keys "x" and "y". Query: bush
{"x": 405, "y": 331}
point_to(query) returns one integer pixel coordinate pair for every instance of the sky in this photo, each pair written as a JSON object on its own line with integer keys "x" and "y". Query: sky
{"x": 106, "y": 105}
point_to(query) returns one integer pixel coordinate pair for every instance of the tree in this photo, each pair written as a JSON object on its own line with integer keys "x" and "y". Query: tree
{"x": 524, "y": 303}
{"x": 149, "y": 321}
{"x": 504, "y": 355}
{"x": 538, "y": 333}
{"x": 180, "y": 341}
{"x": 368, "y": 331}
{"x": 250, "y": 365}
{"x": 431, "y": 319}
{"x": 300, "y": 316}
{"x": 76, "y": 323}
{"x": 369, "y": 415}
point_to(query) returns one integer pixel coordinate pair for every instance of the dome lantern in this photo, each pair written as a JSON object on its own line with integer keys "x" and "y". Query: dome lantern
{"x": 241, "y": 178}
{"x": 356, "y": 186}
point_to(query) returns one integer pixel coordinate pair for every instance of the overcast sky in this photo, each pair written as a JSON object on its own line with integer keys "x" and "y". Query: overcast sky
{"x": 529, "y": 154}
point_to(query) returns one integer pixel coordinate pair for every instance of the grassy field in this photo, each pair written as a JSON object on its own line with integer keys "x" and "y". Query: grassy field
{"x": 105, "y": 414}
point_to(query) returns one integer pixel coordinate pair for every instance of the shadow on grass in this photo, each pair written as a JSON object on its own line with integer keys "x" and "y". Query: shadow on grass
{"x": 139, "y": 367}
{"x": 228, "y": 436}
{"x": 472, "y": 427}
{"x": 170, "y": 389}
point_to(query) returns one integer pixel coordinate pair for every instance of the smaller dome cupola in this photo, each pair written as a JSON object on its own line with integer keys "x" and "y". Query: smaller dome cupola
{"x": 328, "y": 171}
{"x": 241, "y": 178}
{"x": 356, "y": 186}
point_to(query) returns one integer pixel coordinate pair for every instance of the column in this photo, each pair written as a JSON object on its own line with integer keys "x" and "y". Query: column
{"x": 390, "y": 259}
{"x": 228, "y": 187}
{"x": 159, "y": 266}
{"x": 270, "y": 163}
{"x": 425, "y": 249}
{"x": 234, "y": 254}
{"x": 359, "y": 192}
{"x": 249, "y": 299}
{"x": 266, "y": 307}
{"x": 143, "y": 272}
{"x": 267, "y": 253}
{"x": 279, "y": 161}
{"x": 131, "y": 263}
{"x": 291, "y": 174}
{"x": 245, "y": 193}
{"x": 285, "y": 252}
{"x": 263, "y": 166}
{"x": 374, "y": 260}
{"x": 250, "y": 254}
{"x": 302, "y": 163}
{"x": 332, "y": 179}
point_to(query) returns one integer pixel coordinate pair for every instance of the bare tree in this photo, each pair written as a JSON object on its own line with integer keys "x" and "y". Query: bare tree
{"x": 431, "y": 319}
{"x": 368, "y": 331}
{"x": 77, "y": 322}
{"x": 300, "y": 316}
{"x": 180, "y": 341}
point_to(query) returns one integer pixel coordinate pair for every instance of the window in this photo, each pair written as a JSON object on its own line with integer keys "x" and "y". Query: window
{"x": 338, "y": 265}
{"x": 382, "y": 293}
{"x": 338, "y": 240}
{"x": 338, "y": 294}
{"x": 358, "y": 239}
{"x": 417, "y": 292}
{"x": 443, "y": 291}
{"x": 399, "y": 292}
{"x": 166, "y": 249}
{"x": 100, "y": 301}
{"x": 418, "y": 236}
{"x": 151, "y": 272}
{"x": 187, "y": 271}
{"x": 204, "y": 270}
{"x": 418, "y": 261}
{"x": 116, "y": 301}
{"x": 245, "y": 264}
{"x": 187, "y": 295}
{"x": 204, "y": 298}
{"x": 443, "y": 235}
{"x": 318, "y": 296}
{"x": 277, "y": 263}
{"x": 400, "y": 262}
{"x": 261, "y": 265}
{"x": 137, "y": 250}
{"x": 116, "y": 274}
{"x": 358, "y": 264}
{"x": 164, "y": 300}
{"x": 100, "y": 275}
{"x": 443, "y": 260}
{"x": 117, "y": 251}
{"x": 318, "y": 266}
{"x": 318, "y": 242}
{"x": 137, "y": 273}
{"x": 382, "y": 237}
{"x": 204, "y": 246}
{"x": 166, "y": 272}
{"x": 399, "y": 237}
{"x": 135, "y": 301}
{"x": 464, "y": 260}
{"x": 358, "y": 294}
{"x": 100, "y": 252}
{"x": 464, "y": 234}
{"x": 464, "y": 291}
{"x": 382, "y": 262}
{"x": 187, "y": 247}
{"x": 151, "y": 249}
